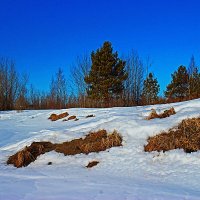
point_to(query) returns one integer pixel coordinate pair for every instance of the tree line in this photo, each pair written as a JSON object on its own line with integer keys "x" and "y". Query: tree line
{"x": 100, "y": 80}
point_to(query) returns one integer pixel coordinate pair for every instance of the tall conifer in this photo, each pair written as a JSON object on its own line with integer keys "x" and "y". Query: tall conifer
{"x": 179, "y": 86}
{"x": 150, "y": 90}
{"x": 107, "y": 74}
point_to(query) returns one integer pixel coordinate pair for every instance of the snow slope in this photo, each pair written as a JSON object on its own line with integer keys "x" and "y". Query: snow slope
{"x": 123, "y": 172}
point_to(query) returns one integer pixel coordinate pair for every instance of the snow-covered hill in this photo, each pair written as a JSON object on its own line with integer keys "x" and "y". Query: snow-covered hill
{"x": 125, "y": 172}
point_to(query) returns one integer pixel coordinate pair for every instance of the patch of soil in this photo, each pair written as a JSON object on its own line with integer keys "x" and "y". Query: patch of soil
{"x": 90, "y": 116}
{"x": 93, "y": 142}
{"x": 72, "y": 117}
{"x": 55, "y": 117}
{"x": 186, "y": 136}
{"x": 165, "y": 114}
{"x": 92, "y": 164}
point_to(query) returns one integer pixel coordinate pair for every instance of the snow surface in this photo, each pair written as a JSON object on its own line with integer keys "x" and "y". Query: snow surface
{"x": 125, "y": 172}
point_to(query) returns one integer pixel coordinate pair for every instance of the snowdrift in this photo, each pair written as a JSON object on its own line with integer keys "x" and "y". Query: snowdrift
{"x": 126, "y": 172}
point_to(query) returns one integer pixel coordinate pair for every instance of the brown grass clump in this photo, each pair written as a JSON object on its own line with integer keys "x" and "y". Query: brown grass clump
{"x": 30, "y": 154}
{"x": 165, "y": 114}
{"x": 101, "y": 143}
{"x": 168, "y": 113}
{"x": 152, "y": 115}
{"x": 72, "y": 117}
{"x": 93, "y": 142}
{"x": 92, "y": 164}
{"x": 55, "y": 117}
{"x": 186, "y": 136}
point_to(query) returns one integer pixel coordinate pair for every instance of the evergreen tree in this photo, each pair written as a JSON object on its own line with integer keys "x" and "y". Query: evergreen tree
{"x": 179, "y": 86}
{"x": 107, "y": 74}
{"x": 150, "y": 90}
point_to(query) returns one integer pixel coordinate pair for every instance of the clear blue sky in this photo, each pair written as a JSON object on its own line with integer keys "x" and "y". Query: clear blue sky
{"x": 42, "y": 35}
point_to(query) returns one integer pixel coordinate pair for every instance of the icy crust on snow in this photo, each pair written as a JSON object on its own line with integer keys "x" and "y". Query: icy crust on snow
{"x": 125, "y": 172}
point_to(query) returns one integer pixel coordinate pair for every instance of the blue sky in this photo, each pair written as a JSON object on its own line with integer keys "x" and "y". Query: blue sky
{"x": 43, "y": 35}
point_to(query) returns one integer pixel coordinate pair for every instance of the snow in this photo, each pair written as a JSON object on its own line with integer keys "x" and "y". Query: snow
{"x": 125, "y": 172}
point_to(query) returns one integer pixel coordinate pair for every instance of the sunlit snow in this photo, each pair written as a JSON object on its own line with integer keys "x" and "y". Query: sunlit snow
{"x": 125, "y": 172}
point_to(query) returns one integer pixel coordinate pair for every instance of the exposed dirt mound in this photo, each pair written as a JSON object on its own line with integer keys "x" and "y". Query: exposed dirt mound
{"x": 55, "y": 117}
{"x": 92, "y": 164}
{"x": 93, "y": 142}
{"x": 90, "y": 116}
{"x": 186, "y": 136}
{"x": 165, "y": 114}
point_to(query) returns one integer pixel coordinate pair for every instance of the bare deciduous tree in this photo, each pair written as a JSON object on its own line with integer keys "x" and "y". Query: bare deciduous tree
{"x": 134, "y": 82}
{"x": 12, "y": 85}
{"x": 58, "y": 90}
{"x": 78, "y": 72}
{"x": 194, "y": 79}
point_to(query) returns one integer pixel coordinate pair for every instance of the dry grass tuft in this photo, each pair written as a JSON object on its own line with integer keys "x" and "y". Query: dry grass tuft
{"x": 152, "y": 115}
{"x": 165, "y": 114}
{"x": 93, "y": 142}
{"x": 186, "y": 136}
{"x": 30, "y": 154}
{"x": 92, "y": 164}
{"x": 55, "y": 117}
{"x": 72, "y": 117}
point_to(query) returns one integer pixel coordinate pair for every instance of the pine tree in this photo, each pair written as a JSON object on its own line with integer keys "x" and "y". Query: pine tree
{"x": 179, "y": 86}
{"x": 107, "y": 74}
{"x": 150, "y": 90}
